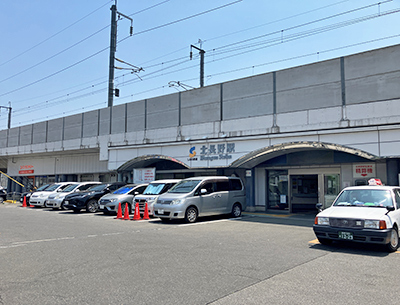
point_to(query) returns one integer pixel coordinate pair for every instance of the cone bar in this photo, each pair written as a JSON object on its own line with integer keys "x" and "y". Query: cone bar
{"x": 146, "y": 212}
{"x": 136, "y": 216}
{"x": 119, "y": 214}
{"x": 24, "y": 203}
{"x": 126, "y": 213}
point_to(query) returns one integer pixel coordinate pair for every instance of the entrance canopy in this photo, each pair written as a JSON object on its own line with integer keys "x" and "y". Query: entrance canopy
{"x": 258, "y": 156}
{"x": 158, "y": 161}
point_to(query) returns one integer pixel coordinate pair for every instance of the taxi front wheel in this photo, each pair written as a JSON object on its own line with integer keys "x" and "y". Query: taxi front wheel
{"x": 393, "y": 245}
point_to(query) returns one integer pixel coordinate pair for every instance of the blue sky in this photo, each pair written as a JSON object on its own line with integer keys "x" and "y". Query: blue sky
{"x": 55, "y": 54}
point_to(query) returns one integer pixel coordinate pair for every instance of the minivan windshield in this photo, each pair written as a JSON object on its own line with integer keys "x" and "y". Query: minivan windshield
{"x": 154, "y": 189}
{"x": 185, "y": 186}
{"x": 365, "y": 198}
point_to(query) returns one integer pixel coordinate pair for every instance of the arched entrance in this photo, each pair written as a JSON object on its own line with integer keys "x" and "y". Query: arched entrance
{"x": 294, "y": 176}
{"x": 166, "y": 167}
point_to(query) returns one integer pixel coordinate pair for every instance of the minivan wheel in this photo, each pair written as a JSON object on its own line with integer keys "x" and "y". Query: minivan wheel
{"x": 191, "y": 214}
{"x": 91, "y": 206}
{"x": 393, "y": 245}
{"x": 236, "y": 210}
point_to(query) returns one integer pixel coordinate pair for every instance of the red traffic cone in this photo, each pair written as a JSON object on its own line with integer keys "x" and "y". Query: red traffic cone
{"x": 24, "y": 202}
{"x": 146, "y": 212}
{"x": 126, "y": 213}
{"x": 136, "y": 216}
{"x": 119, "y": 214}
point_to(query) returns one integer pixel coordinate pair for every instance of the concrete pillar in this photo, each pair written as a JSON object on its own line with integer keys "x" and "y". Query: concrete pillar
{"x": 250, "y": 191}
{"x": 392, "y": 171}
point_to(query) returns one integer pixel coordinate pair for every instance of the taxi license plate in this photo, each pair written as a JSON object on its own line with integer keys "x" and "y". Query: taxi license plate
{"x": 161, "y": 212}
{"x": 101, "y": 206}
{"x": 346, "y": 235}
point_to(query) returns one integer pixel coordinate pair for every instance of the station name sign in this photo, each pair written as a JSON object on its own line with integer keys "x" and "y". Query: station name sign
{"x": 211, "y": 152}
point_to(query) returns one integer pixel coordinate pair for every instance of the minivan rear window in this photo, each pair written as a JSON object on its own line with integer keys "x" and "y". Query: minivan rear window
{"x": 236, "y": 185}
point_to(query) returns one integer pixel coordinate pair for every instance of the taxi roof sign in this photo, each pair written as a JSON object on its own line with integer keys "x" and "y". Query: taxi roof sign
{"x": 374, "y": 181}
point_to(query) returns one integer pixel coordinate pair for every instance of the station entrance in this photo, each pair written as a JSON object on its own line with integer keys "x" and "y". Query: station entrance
{"x": 299, "y": 190}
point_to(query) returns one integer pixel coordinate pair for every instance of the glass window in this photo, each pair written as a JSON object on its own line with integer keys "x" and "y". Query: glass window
{"x": 123, "y": 190}
{"x": 236, "y": 185}
{"x": 397, "y": 197}
{"x": 365, "y": 198}
{"x": 154, "y": 189}
{"x": 70, "y": 188}
{"x": 222, "y": 186}
{"x": 185, "y": 186}
{"x": 277, "y": 196}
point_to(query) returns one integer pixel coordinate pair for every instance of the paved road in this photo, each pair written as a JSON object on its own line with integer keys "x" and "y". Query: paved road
{"x": 51, "y": 257}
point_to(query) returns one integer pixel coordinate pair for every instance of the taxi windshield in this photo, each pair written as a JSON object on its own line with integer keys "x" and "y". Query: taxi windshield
{"x": 365, "y": 198}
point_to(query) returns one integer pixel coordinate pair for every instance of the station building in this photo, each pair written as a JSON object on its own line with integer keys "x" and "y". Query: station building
{"x": 295, "y": 136}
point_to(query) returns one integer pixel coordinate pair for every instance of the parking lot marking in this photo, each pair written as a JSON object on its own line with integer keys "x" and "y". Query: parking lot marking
{"x": 314, "y": 241}
{"x": 207, "y": 222}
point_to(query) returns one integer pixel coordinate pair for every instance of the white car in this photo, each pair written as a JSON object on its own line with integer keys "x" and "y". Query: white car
{"x": 366, "y": 214}
{"x": 38, "y": 199}
{"x": 56, "y": 200}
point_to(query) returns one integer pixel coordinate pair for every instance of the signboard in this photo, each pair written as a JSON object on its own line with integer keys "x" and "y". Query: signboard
{"x": 26, "y": 169}
{"x": 364, "y": 170}
{"x": 144, "y": 175}
{"x": 211, "y": 152}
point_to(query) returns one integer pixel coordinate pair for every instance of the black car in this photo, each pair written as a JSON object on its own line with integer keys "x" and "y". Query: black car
{"x": 88, "y": 199}
{"x": 3, "y": 195}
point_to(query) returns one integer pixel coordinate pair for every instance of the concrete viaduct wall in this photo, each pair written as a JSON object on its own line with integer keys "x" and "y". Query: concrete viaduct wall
{"x": 354, "y": 91}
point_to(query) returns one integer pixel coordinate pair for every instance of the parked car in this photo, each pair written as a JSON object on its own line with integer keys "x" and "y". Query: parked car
{"x": 56, "y": 200}
{"x": 3, "y": 195}
{"x": 38, "y": 198}
{"x": 151, "y": 193}
{"x": 124, "y": 195}
{"x": 364, "y": 214}
{"x": 28, "y": 194}
{"x": 88, "y": 199}
{"x": 202, "y": 196}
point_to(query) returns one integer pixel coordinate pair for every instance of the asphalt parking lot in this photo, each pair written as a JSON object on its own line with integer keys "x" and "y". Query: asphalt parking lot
{"x": 60, "y": 257}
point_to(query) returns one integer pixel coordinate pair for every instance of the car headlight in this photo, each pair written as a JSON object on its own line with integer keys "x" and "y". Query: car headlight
{"x": 375, "y": 224}
{"x": 323, "y": 221}
{"x": 113, "y": 199}
{"x": 177, "y": 201}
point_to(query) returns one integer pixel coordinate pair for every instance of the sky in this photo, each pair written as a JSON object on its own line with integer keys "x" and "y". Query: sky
{"x": 55, "y": 54}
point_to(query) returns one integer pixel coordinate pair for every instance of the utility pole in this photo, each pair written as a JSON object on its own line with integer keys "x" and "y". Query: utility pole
{"x": 201, "y": 63}
{"x": 113, "y": 49}
{"x": 9, "y": 115}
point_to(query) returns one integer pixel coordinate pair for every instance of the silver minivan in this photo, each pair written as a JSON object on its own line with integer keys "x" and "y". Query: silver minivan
{"x": 202, "y": 196}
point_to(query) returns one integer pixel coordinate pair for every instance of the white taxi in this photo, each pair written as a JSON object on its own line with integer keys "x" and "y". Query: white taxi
{"x": 366, "y": 214}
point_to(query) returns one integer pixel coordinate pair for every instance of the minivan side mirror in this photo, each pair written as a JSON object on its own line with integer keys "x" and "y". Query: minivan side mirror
{"x": 203, "y": 191}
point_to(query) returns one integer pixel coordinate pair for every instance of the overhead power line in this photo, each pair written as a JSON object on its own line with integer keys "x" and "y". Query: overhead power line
{"x": 59, "y": 32}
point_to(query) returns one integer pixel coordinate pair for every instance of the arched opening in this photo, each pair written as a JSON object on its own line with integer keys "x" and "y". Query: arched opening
{"x": 294, "y": 176}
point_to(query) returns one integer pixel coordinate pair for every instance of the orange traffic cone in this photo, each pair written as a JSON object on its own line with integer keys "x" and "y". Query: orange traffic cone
{"x": 24, "y": 202}
{"x": 126, "y": 213}
{"x": 146, "y": 212}
{"x": 136, "y": 216}
{"x": 119, "y": 214}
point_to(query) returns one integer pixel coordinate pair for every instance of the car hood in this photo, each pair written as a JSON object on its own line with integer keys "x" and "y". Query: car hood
{"x": 116, "y": 196}
{"x": 82, "y": 194}
{"x": 172, "y": 196}
{"x": 354, "y": 212}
